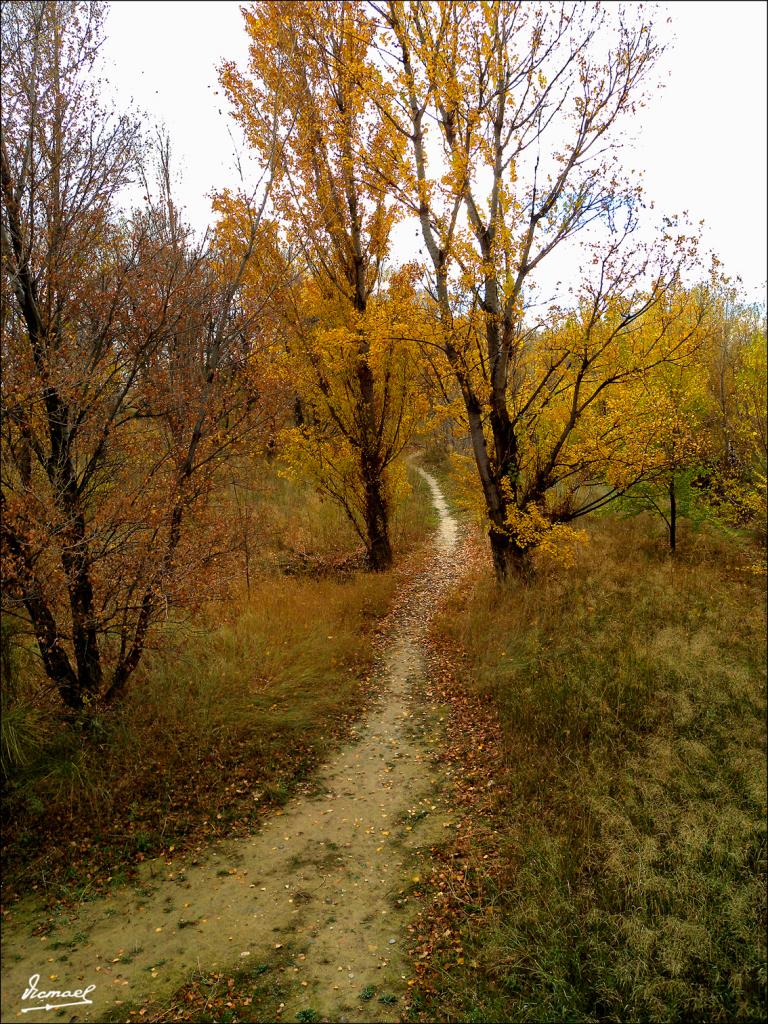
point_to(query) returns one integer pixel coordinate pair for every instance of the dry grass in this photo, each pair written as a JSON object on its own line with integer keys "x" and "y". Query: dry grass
{"x": 279, "y": 524}
{"x": 629, "y": 847}
{"x": 209, "y": 735}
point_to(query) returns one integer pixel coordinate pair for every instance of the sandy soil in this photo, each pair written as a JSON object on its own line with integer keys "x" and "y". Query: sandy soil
{"x": 327, "y": 878}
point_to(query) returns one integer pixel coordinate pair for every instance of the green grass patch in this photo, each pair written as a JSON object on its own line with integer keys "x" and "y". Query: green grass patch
{"x": 621, "y": 874}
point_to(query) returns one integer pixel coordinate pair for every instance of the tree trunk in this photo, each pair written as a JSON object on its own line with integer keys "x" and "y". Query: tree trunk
{"x": 510, "y": 561}
{"x": 672, "y": 516}
{"x": 377, "y": 524}
{"x": 54, "y": 657}
{"x": 371, "y": 468}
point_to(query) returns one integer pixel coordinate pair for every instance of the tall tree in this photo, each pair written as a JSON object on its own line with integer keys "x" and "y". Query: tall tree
{"x": 128, "y": 364}
{"x": 312, "y": 55}
{"x": 526, "y": 99}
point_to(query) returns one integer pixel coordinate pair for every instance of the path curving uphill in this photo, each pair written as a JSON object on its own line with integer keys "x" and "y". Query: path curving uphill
{"x": 326, "y": 879}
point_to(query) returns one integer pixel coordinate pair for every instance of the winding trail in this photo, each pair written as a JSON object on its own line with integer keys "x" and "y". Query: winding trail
{"x": 327, "y": 879}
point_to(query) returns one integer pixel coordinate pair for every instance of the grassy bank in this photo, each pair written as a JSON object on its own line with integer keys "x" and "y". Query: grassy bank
{"x": 608, "y": 728}
{"x": 210, "y": 734}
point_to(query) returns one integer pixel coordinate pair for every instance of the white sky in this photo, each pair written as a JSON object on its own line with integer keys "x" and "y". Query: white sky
{"x": 701, "y": 143}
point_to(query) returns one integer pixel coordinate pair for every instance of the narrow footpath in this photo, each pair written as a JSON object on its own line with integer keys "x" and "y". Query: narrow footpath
{"x": 327, "y": 879}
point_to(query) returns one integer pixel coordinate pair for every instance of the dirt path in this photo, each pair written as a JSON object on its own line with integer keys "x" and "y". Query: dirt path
{"x": 320, "y": 892}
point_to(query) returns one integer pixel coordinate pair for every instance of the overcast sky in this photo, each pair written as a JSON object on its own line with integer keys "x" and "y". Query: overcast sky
{"x": 701, "y": 142}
